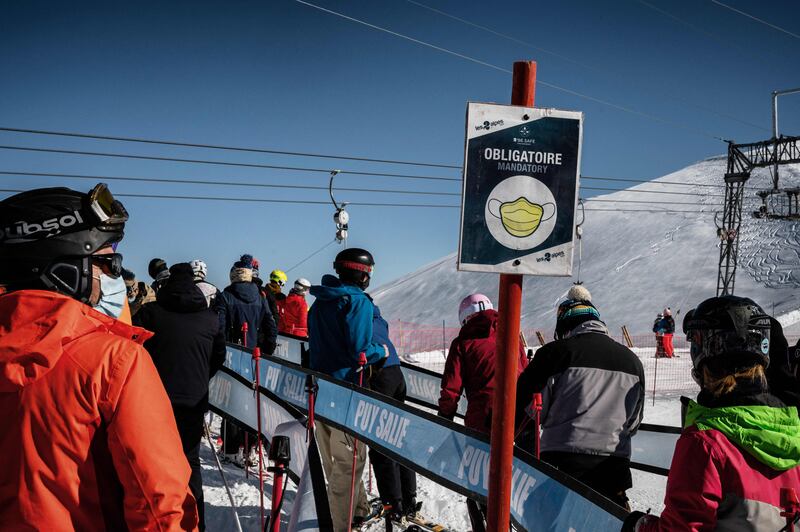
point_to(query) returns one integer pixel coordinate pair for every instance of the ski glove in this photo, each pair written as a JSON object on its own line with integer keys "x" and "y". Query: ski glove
{"x": 637, "y": 521}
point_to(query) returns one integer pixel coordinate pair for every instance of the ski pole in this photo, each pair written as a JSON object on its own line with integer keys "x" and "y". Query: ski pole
{"x": 537, "y": 407}
{"x": 224, "y": 480}
{"x": 362, "y": 362}
{"x": 246, "y": 452}
{"x": 280, "y": 454}
{"x": 257, "y": 358}
{"x": 311, "y": 389}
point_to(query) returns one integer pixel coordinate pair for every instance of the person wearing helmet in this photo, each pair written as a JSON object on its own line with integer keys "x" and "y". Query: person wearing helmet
{"x": 277, "y": 280}
{"x": 199, "y": 273}
{"x": 592, "y": 399}
{"x": 340, "y": 327}
{"x": 669, "y": 330}
{"x": 469, "y": 369}
{"x": 658, "y": 329}
{"x": 76, "y": 386}
{"x": 294, "y": 319}
{"x": 740, "y": 445}
{"x": 159, "y": 272}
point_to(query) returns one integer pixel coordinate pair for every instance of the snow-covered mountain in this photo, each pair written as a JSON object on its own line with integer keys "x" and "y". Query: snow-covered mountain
{"x": 635, "y": 264}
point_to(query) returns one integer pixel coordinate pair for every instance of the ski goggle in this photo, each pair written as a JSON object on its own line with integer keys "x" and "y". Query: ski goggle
{"x": 110, "y": 263}
{"x": 717, "y": 341}
{"x": 108, "y": 210}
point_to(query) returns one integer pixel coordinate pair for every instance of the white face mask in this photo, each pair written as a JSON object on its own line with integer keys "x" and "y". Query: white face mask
{"x": 112, "y": 295}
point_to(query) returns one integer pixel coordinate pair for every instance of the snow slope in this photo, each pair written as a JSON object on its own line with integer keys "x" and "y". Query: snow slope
{"x": 634, "y": 263}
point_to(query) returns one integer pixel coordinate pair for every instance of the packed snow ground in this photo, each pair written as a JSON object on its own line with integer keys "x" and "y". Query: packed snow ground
{"x": 439, "y": 503}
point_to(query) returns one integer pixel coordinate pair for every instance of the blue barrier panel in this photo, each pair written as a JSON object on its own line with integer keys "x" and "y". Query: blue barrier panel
{"x": 542, "y": 498}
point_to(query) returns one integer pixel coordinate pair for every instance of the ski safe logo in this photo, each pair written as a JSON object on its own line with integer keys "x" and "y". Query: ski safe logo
{"x": 524, "y": 137}
{"x": 520, "y": 212}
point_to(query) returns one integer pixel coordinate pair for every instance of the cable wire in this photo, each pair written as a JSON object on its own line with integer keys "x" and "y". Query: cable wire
{"x": 100, "y": 178}
{"x": 320, "y": 250}
{"x": 218, "y": 147}
{"x": 507, "y": 71}
{"x": 582, "y": 65}
{"x": 223, "y": 163}
{"x": 362, "y": 204}
{"x": 773, "y": 26}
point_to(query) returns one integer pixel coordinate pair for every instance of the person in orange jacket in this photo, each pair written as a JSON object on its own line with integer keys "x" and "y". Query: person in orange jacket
{"x": 79, "y": 393}
{"x": 295, "y": 309}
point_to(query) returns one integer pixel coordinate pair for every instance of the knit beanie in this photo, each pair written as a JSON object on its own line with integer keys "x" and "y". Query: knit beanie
{"x": 576, "y": 309}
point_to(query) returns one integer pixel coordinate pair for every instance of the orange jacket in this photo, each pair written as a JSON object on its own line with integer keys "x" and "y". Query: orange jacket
{"x": 88, "y": 439}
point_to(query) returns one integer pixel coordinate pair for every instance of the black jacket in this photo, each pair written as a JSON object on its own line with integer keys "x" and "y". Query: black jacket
{"x": 592, "y": 393}
{"x": 241, "y": 302}
{"x": 188, "y": 346}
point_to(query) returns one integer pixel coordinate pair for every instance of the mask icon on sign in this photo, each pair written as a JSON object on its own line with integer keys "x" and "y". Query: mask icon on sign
{"x": 520, "y": 217}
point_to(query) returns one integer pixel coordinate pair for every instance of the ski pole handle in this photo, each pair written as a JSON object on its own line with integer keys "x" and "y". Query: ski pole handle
{"x": 244, "y": 334}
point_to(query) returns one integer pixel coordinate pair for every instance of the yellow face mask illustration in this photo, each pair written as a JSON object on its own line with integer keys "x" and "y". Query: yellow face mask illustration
{"x": 520, "y": 217}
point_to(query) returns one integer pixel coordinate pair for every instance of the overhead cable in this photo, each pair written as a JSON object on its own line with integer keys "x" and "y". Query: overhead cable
{"x": 320, "y": 250}
{"x": 507, "y": 71}
{"x": 361, "y": 204}
{"x": 580, "y": 64}
{"x": 219, "y": 147}
{"x": 748, "y": 15}
{"x": 224, "y": 163}
{"x": 100, "y": 178}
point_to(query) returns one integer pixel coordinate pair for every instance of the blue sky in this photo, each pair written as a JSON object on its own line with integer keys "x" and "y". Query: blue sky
{"x": 285, "y": 76}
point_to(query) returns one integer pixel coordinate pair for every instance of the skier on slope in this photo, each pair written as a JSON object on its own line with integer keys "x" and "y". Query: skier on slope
{"x": 77, "y": 389}
{"x": 295, "y": 310}
{"x": 469, "y": 368}
{"x": 340, "y": 327}
{"x": 658, "y": 329}
{"x": 199, "y": 272}
{"x": 240, "y": 303}
{"x": 592, "y": 398}
{"x": 669, "y": 331}
{"x": 188, "y": 347}
{"x": 740, "y": 444}
{"x": 397, "y": 484}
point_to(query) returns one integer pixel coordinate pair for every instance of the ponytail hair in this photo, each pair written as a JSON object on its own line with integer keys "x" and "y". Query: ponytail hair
{"x": 723, "y": 384}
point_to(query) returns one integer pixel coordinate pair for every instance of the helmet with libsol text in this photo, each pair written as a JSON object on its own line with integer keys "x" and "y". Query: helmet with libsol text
{"x": 730, "y": 327}
{"x": 48, "y": 236}
{"x": 352, "y": 264}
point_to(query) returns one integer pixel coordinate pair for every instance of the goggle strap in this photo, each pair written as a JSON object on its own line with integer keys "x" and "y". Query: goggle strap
{"x": 355, "y": 266}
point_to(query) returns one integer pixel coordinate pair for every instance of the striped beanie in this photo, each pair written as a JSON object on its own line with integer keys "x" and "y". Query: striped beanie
{"x": 573, "y": 311}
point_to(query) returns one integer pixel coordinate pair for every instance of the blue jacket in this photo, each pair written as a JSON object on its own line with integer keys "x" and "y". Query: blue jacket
{"x": 339, "y": 328}
{"x": 380, "y": 335}
{"x": 242, "y": 302}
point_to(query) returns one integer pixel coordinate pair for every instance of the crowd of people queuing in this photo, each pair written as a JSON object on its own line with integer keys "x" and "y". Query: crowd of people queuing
{"x": 90, "y": 357}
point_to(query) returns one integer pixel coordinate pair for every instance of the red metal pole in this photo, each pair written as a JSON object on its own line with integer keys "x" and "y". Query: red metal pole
{"x": 257, "y": 358}
{"x": 537, "y": 421}
{"x": 362, "y": 362}
{"x": 246, "y": 452}
{"x": 278, "y": 472}
{"x": 501, "y": 453}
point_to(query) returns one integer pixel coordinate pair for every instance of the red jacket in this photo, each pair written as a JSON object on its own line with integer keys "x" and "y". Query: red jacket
{"x": 294, "y": 315}
{"x": 714, "y": 484}
{"x": 470, "y": 367}
{"x": 89, "y": 440}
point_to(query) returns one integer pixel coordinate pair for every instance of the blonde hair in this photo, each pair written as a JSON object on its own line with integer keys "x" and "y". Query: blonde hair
{"x": 724, "y": 384}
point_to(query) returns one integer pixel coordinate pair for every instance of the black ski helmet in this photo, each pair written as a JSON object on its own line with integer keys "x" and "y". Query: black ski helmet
{"x": 351, "y": 263}
{"x": 732, "y": 327}
{"x": 47, "y": 236}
